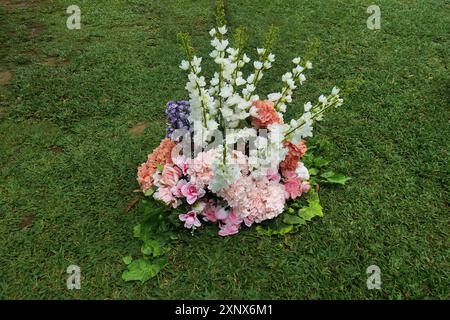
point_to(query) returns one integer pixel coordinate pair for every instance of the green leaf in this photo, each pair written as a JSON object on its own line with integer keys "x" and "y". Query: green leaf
{"x": 320, "y": 162}
{"x": 275, "y": 227}
{"x": 143, "y": 270}
{"x": 332, "y": 177}
{"x": 149, "y": 192}
{"x": 127, "y": 260}
{"x": 313, "y": 210}
{"x": 292, "y": 219}
{"x": 313, "y": 171}
{"x": 308, "y": 159}
{"x": 152, "y": 247}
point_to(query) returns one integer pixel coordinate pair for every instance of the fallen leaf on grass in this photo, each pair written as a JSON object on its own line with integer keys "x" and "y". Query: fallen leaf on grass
{"x": 26, "y": 221}
{"x": 132, "y": 204}
{"x": 138, "y": 128}
{"x": 5, "y": 77}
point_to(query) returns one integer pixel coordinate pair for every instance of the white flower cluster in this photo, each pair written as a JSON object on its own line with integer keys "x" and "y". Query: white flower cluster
{"x": 280, "y": 99}
{"x": 303, "y": 127}
{"x": 227, "y": 104}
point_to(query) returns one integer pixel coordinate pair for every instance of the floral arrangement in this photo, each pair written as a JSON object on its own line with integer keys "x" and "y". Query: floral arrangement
{"x": 229, "y": 157}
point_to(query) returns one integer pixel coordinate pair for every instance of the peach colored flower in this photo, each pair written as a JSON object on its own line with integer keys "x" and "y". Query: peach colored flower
{"x": 292, "y": 159}
{"x": 267, "y": 114}
{"x": 160, "y": 156}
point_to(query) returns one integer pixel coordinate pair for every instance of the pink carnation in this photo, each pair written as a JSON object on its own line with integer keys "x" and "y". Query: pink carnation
{"x": 292, "y": 188}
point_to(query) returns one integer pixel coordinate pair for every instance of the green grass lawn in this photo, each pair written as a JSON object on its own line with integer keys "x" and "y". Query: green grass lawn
{"x": 68, "y": 99}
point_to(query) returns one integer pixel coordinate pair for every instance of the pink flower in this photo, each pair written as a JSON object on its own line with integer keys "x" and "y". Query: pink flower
{"x": 169, "y": 177}
{"x": 256, "y": 199}
{"x": 289, "y": 174}
{"x": 292, "y": 188}
{"x": 213, "y": 213}
{"x": 165, "y": 194}
{"x": 176, "y": 190}
{"x": 182, "y": 163}
{"x": 305, "y": 187}
{"x": 190, "y": 219}
{"x": 273, "y": 175}
{"x": 233, "y": 218}
{"x": 160, "y": 156}
{"x": 200, "y": 168}
{"x": 228, "y": 229}
{"x": 248, "y": 221}
{"x": 192, "y": 192}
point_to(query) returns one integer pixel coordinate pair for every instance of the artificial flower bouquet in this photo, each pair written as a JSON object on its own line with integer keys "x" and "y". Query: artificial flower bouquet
{"x": 229, "y": 156}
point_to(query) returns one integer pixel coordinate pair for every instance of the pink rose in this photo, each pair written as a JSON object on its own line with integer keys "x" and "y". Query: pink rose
{"x": 292, "y": 188}
{"x": 190, "y": 219}
{"x": 192, "y": 192}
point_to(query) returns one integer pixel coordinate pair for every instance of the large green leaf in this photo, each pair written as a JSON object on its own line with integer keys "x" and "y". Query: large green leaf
{"x": 332, "y": 177}
{"x": 320, "y": 162}
{"x": 143, "y": 270}
{"x": 292, "y": 219}
{"x": 314, "y": 209}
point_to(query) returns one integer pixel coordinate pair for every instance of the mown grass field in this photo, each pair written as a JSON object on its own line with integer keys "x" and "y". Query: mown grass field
{"x": 81, "y": 109}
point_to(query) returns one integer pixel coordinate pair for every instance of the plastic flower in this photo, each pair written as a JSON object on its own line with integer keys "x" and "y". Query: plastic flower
{"x": 302, "y": 172}
{"x": 293, "y": 188}
{"x": 177, "y": 114}
{"x": 160, "y": 156}
{"x": 165, "y": 195}
{"x": 192, "y": 192}
{"x": 292, "y": 159}
{"x": 228, "y": 229}
{"x": 256, "y": 199}
{"x": 231, "y": 224}
{"x": 190, "y": 219}
{"x": 214, "y": 213}
{"x": 169, "y": 176}
{"x": 305, "y": 187}
{"x": 200, "y": 168}
{"x": 265, "y": 114}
